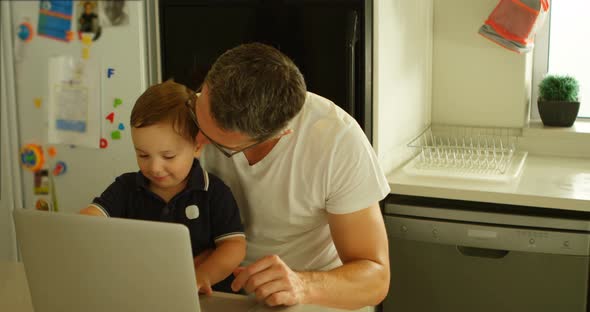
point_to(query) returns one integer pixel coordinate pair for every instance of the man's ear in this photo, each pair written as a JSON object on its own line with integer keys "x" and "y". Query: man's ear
{"x": 285, "y": 132}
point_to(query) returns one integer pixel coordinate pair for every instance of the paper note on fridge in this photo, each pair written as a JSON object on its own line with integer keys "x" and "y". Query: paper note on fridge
{"x": 74, "y": 101}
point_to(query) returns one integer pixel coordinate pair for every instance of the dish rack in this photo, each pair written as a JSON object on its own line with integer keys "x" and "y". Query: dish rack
{"x": 467, "y": 152}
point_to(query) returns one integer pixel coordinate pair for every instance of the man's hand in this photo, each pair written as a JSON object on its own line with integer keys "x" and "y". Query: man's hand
{"x": 272, "y": 281}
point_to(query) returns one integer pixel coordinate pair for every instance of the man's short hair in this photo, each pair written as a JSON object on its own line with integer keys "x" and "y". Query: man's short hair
{"x": 255, "y": 89}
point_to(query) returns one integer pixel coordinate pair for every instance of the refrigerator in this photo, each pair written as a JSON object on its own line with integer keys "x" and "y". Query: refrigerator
{"x": 66, "y": 100}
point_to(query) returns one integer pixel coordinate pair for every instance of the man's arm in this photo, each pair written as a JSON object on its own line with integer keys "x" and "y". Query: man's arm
{"x": 362, "y": 280}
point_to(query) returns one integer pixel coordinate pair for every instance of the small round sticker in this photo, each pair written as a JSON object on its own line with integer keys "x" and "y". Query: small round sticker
{"x": 192, "y": 212}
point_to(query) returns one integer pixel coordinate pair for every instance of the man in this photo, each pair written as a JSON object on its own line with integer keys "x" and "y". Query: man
{"x": 305, "y": 178}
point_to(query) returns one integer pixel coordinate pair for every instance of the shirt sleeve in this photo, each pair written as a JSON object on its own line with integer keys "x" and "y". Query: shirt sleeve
{"x": 113, "y": 200}
{"x": 225, "y": 215}
{"x": 355, "y": 179}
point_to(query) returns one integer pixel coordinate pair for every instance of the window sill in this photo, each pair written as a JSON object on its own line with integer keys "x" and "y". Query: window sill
{"x": 580, "y": 130}
{"x": 572, "y": 141}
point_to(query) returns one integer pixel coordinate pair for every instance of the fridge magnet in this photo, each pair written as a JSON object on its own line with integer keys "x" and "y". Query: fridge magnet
{"x": 41, "y": 182}
{"x": 110, "y": 117}
{"x": 121, "y": 126}
{"x": 42, "y": 204}
{"x": 54, "y": 205}
{"x": 37, "y": 102}
{"x": 85, "y": 53}
{"x": 86, "y": 42}
{"x": 86, "y": 39}
{"x": 117, "y": 102}
{"x": 52, "y": 151}
{"x": 104, "y": 143}
{"x": 31, "y": 157}
{"x": 116, "y": 135}
{"x": 25, "y": 31}
{"x": 110, "y": 72}
{"x": 113, "y": 13}
{"x": 88, "y": 21}
{"x": 55, "y": 19}
{"x": 59, "y": 168}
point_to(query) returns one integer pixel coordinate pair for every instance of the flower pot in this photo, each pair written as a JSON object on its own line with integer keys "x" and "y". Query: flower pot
{"x": 558, "y": 113}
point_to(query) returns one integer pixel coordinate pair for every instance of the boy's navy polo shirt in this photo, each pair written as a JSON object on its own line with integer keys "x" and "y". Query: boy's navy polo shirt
{"x": 216, "y": 215}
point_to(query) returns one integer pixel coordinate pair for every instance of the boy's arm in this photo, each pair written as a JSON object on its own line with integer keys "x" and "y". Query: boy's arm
{"x": 113, "y": 200}
{"x": 92, "y": 211}
{"x": 228, "y": 233}
{"x": 220, "y": 262}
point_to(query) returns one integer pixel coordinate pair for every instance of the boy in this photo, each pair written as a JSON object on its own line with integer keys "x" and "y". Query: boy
{"x": 171, "y": 186}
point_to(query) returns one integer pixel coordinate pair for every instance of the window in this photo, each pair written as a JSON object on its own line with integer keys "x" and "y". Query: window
{"x": 562, "y": 47}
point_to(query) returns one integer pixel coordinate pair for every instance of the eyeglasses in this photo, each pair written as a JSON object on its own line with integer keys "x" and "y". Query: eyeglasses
{"x": 226, "y": 151}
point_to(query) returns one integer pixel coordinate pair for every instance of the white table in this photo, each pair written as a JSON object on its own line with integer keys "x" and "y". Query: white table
{"x": 15, "y": 297}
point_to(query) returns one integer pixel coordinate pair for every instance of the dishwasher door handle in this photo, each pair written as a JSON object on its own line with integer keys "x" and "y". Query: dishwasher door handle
{"x": 482, "y": 252}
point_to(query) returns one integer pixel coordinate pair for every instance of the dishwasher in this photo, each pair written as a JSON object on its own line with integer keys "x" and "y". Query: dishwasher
{"x": 450, "y": 255}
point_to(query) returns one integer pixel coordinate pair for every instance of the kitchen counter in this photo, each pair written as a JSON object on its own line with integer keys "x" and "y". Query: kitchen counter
{"x": 545, "y": 182}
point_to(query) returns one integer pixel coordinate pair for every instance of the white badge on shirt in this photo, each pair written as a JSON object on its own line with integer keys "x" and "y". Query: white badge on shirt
{"x": 192, "y": 212}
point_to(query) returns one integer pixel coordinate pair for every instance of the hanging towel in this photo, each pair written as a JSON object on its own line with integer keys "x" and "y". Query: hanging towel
{"x": 513, "y": 23}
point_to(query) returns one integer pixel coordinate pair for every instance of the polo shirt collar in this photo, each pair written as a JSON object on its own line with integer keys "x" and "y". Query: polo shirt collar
{"x": 197, "y": 178}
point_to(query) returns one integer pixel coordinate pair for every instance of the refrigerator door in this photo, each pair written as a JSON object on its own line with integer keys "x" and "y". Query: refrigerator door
{"x": 10, "y": 192}
{"x": 119, "y": 50}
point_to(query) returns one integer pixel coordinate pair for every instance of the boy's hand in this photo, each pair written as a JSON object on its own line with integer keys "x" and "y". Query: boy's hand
{"x": 203, "y": 282}
{"x": 204, "y": 286}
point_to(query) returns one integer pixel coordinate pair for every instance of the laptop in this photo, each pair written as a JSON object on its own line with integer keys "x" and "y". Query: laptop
{"x": 94, "y": 264}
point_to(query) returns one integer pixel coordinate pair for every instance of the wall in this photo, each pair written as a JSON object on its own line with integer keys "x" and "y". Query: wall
{"x": 475, "y": 82}
{"x": 402, "y": 51}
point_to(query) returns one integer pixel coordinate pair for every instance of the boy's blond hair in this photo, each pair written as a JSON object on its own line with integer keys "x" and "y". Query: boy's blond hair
{"x": 165, "y": 102}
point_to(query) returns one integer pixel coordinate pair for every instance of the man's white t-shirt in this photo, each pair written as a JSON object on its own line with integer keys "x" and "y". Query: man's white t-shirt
{"x": 326, "y": 165}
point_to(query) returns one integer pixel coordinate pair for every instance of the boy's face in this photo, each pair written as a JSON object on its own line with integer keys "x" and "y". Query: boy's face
{"x": 163, "y": 156}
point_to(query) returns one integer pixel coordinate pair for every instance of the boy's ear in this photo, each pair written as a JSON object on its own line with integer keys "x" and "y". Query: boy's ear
{"x": 198, "y": 148}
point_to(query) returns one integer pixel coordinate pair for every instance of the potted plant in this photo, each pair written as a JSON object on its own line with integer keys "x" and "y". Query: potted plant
{"x": 558, "y": 100}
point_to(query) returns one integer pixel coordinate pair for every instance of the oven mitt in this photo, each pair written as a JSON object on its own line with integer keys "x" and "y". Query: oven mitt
{"x": 513, "y": 23}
